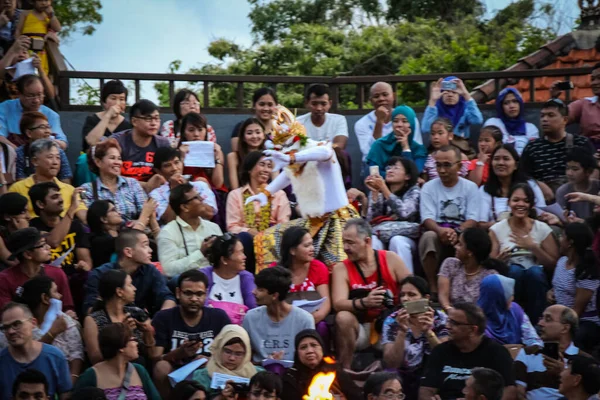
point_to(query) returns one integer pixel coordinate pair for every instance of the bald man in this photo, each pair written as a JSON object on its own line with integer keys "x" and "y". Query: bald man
{"x": 377, "y": 123}
{"x": 537, "y": 374}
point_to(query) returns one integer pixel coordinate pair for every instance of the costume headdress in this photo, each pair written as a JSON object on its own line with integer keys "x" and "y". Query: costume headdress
{"x": 286, "y": 130}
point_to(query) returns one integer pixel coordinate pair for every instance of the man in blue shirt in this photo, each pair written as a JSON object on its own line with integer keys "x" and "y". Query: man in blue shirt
{"x": 24, "y": 353}
{"x": 31, "y": 98}
{"x": 134, "y": 257}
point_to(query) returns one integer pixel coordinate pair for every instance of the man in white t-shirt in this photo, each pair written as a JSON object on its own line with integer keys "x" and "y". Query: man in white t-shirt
{"x": 319, "y": 123}
{"x": 449, "y": 205}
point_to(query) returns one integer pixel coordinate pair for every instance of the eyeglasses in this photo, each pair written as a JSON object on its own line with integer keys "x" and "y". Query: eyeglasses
{"x": 189, "y": 103}
{"x": 196, "y": 197}
{"x": 393, "y": 167}
{"x": 189, "y": 293}
{"x": 34, "y": 96}
{"x": 393, "y": 396}
{"x": 149, "y": 119}
{"x": 16, "y": 325}
{"x": 456, "y": 323}
{"x": 45, "y": 127}
{"x": 445, "y": 165}
{"x": 263, "y": 393}
{"x": 236, "y": 354}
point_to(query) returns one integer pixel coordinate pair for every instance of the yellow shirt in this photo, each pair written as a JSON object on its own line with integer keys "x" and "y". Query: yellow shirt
{"x": 66, "y": 191}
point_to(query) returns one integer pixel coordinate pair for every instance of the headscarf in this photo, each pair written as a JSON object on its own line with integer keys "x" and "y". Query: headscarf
{"x": 386, "y": 147}
{"x": 503, "y": 322}
{"x": 306, "y": 333}
{"x": 246, "y": 369}
{"x": 514, "y": 126}
{"x": 453, "y": 113}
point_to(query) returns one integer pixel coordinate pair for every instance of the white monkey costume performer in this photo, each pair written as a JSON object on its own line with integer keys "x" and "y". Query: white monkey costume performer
{"x": 314, "y": 172}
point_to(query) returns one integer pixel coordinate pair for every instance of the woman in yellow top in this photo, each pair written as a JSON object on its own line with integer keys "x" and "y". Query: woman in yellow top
{"x": 36, "y": 23}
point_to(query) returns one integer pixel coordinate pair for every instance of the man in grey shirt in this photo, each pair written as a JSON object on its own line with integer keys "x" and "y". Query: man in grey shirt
{"x": 274, "y": 325}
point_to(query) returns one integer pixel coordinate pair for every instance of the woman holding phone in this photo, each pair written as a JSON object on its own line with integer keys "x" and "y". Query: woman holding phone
{"x": 408, "y": 336}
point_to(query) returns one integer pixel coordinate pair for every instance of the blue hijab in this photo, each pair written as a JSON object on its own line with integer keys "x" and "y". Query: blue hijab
{"x": 514, "y": 126}
{"x": 503, "y": 322}
{"x": 453, "y": 113}
{"x": 386, "y": 147}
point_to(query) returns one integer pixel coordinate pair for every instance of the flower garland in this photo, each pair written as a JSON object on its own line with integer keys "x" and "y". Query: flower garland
{"x": 264, "y": 215}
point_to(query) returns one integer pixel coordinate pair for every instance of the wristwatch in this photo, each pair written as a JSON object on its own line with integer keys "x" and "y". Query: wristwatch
{"x": 480, "y": 163}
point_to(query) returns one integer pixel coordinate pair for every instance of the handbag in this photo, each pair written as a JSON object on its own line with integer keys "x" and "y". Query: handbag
{"x": 386, "y": 230}
{"x": 235, "y": 311}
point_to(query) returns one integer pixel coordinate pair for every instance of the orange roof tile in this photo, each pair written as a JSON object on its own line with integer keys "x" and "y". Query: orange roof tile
{"x": 576, "y": 58}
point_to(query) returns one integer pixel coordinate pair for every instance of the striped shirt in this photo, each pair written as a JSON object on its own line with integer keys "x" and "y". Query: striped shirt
{"x": 547, "y": 161}
{"x": 565, "y": 285}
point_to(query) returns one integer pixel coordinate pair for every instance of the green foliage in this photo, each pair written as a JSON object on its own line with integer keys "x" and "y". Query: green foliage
{"x": 78, "y": 16}
{"x": 360, "y": 37}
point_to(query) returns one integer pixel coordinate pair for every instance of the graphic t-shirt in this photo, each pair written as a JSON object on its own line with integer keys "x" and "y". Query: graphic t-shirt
{"x": 171, "y": 329}
{"x": 138, "y": 162}
{"x": 229, "y": 290}
{"x": 77, "y": 238}
{"x": 449, "y": 205}
{"x": 448, "y": 369}
{"x": 267, "y": 336}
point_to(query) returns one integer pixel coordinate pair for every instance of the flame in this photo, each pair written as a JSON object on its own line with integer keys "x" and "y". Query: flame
{"x": 319, "y": 387}
{"x": 328, "y": 360}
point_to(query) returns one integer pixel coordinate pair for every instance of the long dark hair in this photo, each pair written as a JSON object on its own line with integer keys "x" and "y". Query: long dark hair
{"x": 108, "y": 284}
{"x": 180, "y": 96}
{"x": 33, "y": 289}
{"x": 243, "y": 149}
{"x": 581, "y": 237}
{"x": 195, "y": 119}
{"x": 98, "y": 210}
{"x": 292, "y": 237}
{"x": 410, "y": 169}
{"x": 492, "y": 186}
{"x": 478, "y": 242}
{"x": 248, "y": 163}
{"x": 528, "y": 193}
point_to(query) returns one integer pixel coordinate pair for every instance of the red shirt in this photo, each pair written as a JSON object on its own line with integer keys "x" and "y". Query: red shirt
{"x": 484, "y": 173}
{"x": 318, "y": 274}
{"x": 371, "y": 282}
{"x": 13, "y": 278}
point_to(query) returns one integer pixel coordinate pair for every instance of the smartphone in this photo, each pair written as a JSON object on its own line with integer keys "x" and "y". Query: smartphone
{"x": 374, "y": 170}
{"x": 551, "y": 350}
{"x": 417, "y": 306}
{"x": 37, "y": 44}
{"x": 194, "y": 337}
{"x": 449, "y": 85}
{"x": 564, "y": 85}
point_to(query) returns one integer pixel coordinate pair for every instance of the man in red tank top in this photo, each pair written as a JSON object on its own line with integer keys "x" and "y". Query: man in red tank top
{"x": 362, "y": 286}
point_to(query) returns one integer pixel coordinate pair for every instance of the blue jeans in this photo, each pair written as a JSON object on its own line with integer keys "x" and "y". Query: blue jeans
{"x": 531, "y": 285}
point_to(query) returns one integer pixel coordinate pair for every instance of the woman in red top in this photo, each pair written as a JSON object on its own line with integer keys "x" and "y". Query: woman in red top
{"x": 308, "y": 274}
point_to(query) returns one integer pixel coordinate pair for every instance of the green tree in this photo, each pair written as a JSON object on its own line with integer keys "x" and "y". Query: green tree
{"x": 302, "y": 42}
{"x": 78, "y": 16}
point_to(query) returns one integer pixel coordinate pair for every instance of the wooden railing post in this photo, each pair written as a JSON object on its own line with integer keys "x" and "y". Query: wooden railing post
{"x": 64, "y": 92}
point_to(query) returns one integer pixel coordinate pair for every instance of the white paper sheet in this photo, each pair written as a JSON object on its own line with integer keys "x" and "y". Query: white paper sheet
{"x": 219, "y": 380}
{"x": 555, "y": 209}
{"x": 309, "y": 305}
{"x": 53, "y": 312}
{"x": 182, "y": 373}
{"x": 284, "y": 363}
{"x": 58, "y": 262}
{"x": 201, "y": 154}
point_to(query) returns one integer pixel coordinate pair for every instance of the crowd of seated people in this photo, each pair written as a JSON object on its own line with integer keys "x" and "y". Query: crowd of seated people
{"x": 472, "y": 272}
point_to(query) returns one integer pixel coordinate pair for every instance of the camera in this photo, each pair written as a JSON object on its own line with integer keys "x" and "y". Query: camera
{"x": 138, "y": 314}
{"x": 240, "y": 388}
{"x": 37, "y": 44}
{"x": 388, "y": 299}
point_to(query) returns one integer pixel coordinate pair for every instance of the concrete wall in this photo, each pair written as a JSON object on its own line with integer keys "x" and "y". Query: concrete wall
{"x": 72, "y": 121}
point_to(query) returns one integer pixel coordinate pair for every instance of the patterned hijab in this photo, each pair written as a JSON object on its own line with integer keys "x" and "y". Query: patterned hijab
{"x": 246, "y": 369}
